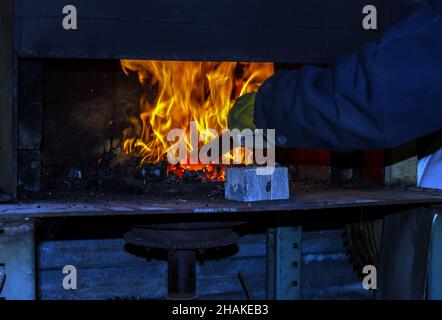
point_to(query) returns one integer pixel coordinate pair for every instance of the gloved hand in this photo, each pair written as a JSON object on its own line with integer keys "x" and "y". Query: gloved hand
{"x": 241, "y": 115}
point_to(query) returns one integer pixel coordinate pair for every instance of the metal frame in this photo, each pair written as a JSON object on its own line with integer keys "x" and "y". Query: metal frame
{"x": 284, "y": 263}
{"x": 8, "y": 100}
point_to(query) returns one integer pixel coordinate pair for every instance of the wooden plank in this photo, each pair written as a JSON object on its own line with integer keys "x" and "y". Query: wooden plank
{"x": 91, "y": 254}
{"x": 322, "y": 242}
{"x": 107, "y": 271}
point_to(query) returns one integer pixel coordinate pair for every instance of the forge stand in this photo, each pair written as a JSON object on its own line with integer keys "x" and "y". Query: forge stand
{"x": 408, "y": 266}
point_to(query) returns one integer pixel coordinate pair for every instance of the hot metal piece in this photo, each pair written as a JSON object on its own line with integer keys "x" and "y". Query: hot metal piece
{"x": 245, "y": 184}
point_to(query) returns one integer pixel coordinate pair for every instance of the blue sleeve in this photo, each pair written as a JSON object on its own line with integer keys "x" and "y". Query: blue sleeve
{"x": 381, "y": 96}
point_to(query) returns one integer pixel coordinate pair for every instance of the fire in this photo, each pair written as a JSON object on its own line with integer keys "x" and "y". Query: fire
{"x": 202, "y": 92}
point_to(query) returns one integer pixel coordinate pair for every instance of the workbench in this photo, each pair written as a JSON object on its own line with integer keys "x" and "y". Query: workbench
{"x": 411, "y": 221}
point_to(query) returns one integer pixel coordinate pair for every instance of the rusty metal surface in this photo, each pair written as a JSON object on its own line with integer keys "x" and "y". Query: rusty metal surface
{"x": 303, "y": 198}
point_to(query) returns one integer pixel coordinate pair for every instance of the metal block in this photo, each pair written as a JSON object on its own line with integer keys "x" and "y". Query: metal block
{"x": 284, "y": 263}
{"x": 245, "y": 184}
{"x": 17, "y": 259}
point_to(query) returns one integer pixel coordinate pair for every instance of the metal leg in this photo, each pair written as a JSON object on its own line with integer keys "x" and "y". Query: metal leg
{"x": 17, "y": 260}
{"x": 182, "y": 274}
{"x": 435, "y": 265}
{"x": 403, "y": 262}
{"x": 284, "y": 263}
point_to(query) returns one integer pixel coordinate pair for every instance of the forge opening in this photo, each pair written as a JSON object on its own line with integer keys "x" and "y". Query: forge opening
{"x": 100, "y": 126}
{"x": 106, "y": 123}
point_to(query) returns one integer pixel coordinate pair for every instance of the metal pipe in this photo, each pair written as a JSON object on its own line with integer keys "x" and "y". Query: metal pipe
{"x": 182, "y": 274}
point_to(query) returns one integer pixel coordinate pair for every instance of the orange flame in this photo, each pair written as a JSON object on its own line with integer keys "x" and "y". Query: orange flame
{"x": 202, "y": 92}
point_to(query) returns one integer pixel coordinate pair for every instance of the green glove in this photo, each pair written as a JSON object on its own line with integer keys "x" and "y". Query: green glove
{"x": 241, "y": 115}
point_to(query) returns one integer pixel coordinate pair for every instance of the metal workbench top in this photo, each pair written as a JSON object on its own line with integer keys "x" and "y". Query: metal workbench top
{"x": 303, "y": 198}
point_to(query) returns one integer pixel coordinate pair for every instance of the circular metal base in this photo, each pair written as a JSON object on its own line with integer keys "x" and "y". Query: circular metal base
{"x": 184, "y": 236}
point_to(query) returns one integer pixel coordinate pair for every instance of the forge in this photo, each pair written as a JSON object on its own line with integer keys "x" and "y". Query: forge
{"x": 94, "y": 105}
{"x": 126, "y": 127}
{"x": 86, "y": 117}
